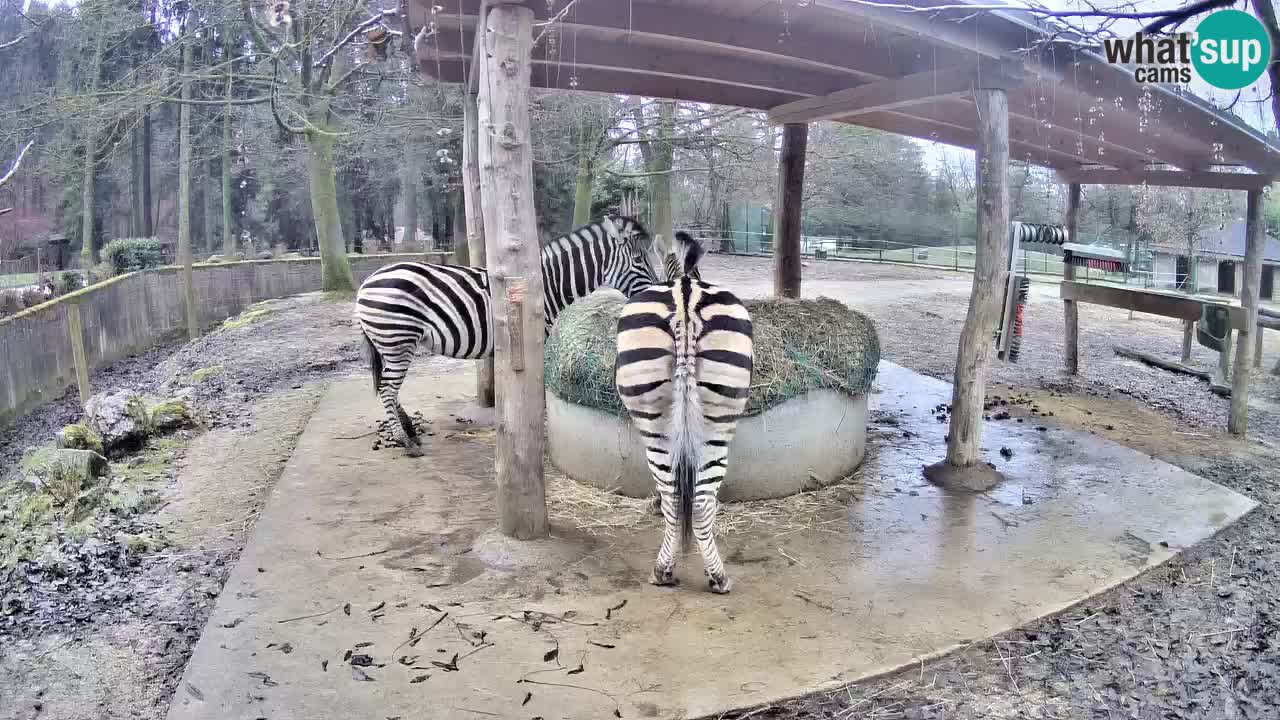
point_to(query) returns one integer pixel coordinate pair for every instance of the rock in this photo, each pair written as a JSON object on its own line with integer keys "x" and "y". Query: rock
{"x": 170, "y": 415}
{"x": 120, "y": 419}
{"x": 80, "y": 437}
{"x": 265, "y": 255}
{"x": 62, "y": 473}
{"x": 216, "y": 259}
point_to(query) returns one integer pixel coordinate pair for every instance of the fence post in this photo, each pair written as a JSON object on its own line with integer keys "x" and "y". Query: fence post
{"x": 75, "y": 329}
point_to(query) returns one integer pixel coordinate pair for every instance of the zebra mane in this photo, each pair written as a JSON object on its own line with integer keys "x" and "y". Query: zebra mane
{"x": 687, "y": 253}
{"x": 641, "y": 239}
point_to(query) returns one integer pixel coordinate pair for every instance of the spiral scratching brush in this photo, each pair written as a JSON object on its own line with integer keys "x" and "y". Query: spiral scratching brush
{"x": 1014, "y": 346}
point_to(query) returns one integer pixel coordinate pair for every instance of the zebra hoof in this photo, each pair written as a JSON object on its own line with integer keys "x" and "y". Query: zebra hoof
{"x": 664, "y": 578}
{"x": 721, "y": 586}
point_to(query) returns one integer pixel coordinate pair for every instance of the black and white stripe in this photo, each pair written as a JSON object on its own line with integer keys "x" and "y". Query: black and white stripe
{"x": 684, "y": 374}
{"x": 400, "y": 305}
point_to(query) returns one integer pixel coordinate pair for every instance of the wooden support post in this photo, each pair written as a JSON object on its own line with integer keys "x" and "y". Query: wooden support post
{"x": 787, "y": 218}
{"x": 515, "y": 273}
{"x": 1255, "y": 234}
{"x": 964, "y": 466}
{"x": 75, "y": 329}
{"x": 1257, "y": 348}
{"x": 1188, "y": 334}
{"x": 1071, "y": 312}
{"x": 475, "y": 225}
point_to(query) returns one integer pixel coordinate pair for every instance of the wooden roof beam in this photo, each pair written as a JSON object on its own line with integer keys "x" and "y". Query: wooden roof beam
{"x": 959, "y": 136}
{"x": 896, "y": 93}
{"x": 1165, "y": 178}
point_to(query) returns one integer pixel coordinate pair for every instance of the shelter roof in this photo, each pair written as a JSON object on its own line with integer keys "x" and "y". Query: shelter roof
{"x": 907, "y": 72}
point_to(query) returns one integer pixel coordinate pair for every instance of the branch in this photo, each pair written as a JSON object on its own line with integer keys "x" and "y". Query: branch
{"x": 375, "y": 20}
{"x": 1188, "y": 11}
{"x": 11, "y": 43}
{"x": 275, "y": 111}
{"x": 16, "y": 164}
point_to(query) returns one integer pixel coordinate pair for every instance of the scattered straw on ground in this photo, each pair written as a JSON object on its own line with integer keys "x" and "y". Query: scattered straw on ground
{"x": 602, "y": 513}
{"x": 800, "y": 345}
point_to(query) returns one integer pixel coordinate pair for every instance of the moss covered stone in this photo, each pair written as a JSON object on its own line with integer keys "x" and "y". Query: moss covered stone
{"x": 170, "y": 415}
{"x": 79, "y": 436}
{"x": 203, "y": 374}
{"x": 800, "y": 345}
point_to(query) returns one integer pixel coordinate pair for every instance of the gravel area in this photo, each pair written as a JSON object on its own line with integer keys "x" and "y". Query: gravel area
{"x": 1196, "y": 638}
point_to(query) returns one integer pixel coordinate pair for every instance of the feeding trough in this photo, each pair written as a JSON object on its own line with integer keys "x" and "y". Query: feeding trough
{"x": 806, "y": 419}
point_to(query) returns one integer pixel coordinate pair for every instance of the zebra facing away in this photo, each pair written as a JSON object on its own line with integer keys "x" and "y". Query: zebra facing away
{"x": 402, "y": 304}
{"x": 684, "y": 373}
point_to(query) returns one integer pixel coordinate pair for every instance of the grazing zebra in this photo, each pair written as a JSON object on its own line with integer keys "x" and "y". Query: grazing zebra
{"x": 684, "y": 373}
{"x": 401, "y": 304}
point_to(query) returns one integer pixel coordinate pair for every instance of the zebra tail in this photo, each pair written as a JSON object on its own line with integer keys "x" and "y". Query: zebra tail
{"x": 375, "y": 360}
{"x": 686, "y": 438}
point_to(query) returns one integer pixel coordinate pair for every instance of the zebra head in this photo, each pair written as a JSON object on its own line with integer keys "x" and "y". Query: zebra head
{"x": 638, "y": 264}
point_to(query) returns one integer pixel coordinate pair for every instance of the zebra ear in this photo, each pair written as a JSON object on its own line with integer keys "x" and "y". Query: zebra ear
{"x": 687, "y": 251}
{"x": 609, "y": 228}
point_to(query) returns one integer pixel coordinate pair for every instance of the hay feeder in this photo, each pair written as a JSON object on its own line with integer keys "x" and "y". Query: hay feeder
{"x": 815, "y": 361}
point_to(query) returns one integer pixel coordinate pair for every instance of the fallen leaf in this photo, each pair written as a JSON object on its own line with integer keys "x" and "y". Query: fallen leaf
{"x": 286, "y": 648}
{"x": 551, "y": 654}
{"x": 608, "y": 614}
{"x": 233, "y": 623}
{"x": 527, "y": 697}
{"x": 363, "y": 645}
{"x": 378, "y": 607}
{"x": 346, "y": 609}
{"x": 362, "y": 676}
{"x": 603, "y": 645}
{"x": 418, "y": 679}
{"x": 576, "y": 670}
{"x": 195, "y": 692}
{"x": 347, "y": 656}
{"x": 433, "y": 607}
{"x": 362, "y": 660}
{"x": 324, "y": 665}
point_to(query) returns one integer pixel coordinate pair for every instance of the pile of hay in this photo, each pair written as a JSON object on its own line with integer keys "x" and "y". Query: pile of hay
{"x": 800, "y": 345}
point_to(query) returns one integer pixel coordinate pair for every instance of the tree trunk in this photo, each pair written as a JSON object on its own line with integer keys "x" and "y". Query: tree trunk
{"x": 787, "y": 214}
{"x": 148, "y": 209}
{"x": 515, "y": 276}
{"x": 211, "y": 208}
{"x": 184, "y": 198}
{"x": 135, "y": 184}
{"x": 475, "y": 226}
{"x": 409, "y": 186}
{"x": 660, "y": 184}
{"x": 586, "y": 175}
{"x": 88, "y": 253}
{"x": 228, "y": 226}
{"x": 1255, "y": 234}
{"x": 334, "y": 267}
{"x": 461, "y": 251}
{"x": 990, "y": 273}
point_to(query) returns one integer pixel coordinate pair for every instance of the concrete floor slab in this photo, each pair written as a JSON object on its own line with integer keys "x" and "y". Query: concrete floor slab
{"x": 357, "y": 546}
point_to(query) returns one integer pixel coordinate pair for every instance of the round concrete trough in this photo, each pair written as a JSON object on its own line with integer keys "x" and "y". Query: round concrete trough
{"x": 807, "y": 442}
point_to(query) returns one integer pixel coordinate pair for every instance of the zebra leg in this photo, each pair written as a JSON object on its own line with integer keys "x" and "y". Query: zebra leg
{"x": 664, "y": 568}
{"x": 704, "y": 522}
{"x": 393, "y": 373}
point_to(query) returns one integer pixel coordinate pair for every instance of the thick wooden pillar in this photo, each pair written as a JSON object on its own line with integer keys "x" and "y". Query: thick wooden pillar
{"x": 786, "y": 224}
{"x": 1255, "y": 232}
{"x": 1071, "y": 336}
{"x": 964, "y": 466}
{"x": 515, "y": 275}
{"x": 475, "y": 224}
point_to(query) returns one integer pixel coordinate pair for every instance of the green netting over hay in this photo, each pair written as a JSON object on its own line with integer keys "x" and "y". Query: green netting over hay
{"x": 800, "y": 345}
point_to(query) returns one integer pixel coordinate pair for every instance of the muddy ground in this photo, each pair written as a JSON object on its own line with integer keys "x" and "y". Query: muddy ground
{"x": 1196, "y": 638}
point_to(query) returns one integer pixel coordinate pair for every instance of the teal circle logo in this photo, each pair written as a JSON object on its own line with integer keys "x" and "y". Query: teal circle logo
{"x": 1231, "y": 49}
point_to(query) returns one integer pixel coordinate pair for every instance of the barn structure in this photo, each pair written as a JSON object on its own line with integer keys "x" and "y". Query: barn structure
{"x": 1001, "y": 83}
